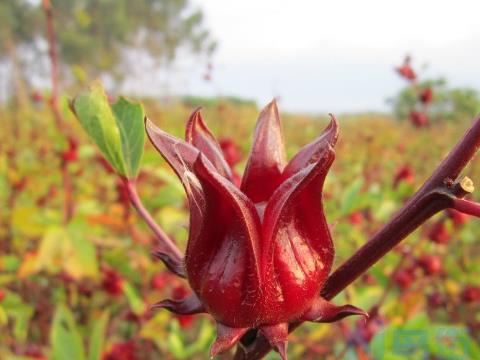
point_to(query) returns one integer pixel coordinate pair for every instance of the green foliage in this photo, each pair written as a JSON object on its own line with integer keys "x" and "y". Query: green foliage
{"x": 448, "y": 103}
{"x": 95, "y": 34}
{"x": 65, "y": 337}
{"x": 97, "y": 336}
{"x": 117, "y": 130}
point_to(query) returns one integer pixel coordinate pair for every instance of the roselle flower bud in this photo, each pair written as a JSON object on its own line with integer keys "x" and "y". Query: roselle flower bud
{"x": 438, "y": 233}
{"x": 430, "y": 264}
{"x": 471, "y": 294}
{"x": 355, "y": 218}
{"x": 71, "y": 154}
{"x": 403, "y": 174}
{"x": 259, "y": 253}
{"x": 404, "y": 278}
{"x": 418, "y": 118}
{"x": 458, "y": 218}
{"x": 426, "y": 95}
{"x": 112, "y": 282}
{"x": 406, "y": 70}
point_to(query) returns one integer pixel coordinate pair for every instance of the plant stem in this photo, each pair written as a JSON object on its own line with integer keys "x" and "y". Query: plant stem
{"x": 439, "y": 192}
{"x": 166, "y": 242}
{"x": 467, "y": 207}
{"x": 69, "y": 204}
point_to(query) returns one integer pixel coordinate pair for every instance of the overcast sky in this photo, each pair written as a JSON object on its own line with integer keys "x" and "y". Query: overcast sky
{"x": 338, "y": 56}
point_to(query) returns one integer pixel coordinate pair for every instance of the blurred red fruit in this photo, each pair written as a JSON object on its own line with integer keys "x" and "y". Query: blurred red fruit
{"x": 2, "y": 295}
{"x": 471, "y": 294}
{"x": 403, "y": 174}
{"x": 430, "y": 264}
{"x": 406, "y": 70}
{"x": 71, "y": 154}
{"x": 112, "y": 282}
{"x": 159, "y": 280}
{"x": 426, "y": 95}
{"x": 404, "y": 278}
{"x": 121, "y": 351}
{"x": 355, "y": 218}
{"x": 458, "y": 218}
{"x": 36, "y": 96}
{"x": 436, "y": 300}
{"x": 419, "y": 119}
{"x": 369, "y": 279}
{"x": 438, "y": 233}
{"x": 231, "y": 151}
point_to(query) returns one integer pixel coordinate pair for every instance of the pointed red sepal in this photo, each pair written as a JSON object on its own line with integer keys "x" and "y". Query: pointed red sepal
{"x": 310, "y": 152}
{"x": 188, "y": 306}
{"x": 181, "y": 156}
{"x": 174, "y": 265}
{"x": 323, "y": 311}
{"x": 267, "y": 158}
{"x": 198, "y": 134}
{"x": 226, "y": 338}
{"x": 277, "y": 336}
{"x": 222, "y": 194}
{"x": 305, "y": 245}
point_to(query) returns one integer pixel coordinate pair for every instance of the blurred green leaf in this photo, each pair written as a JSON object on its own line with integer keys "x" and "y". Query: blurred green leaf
{"x": 351, "y": 197}
{"x": 65, "y": 337}
{"x": 136, "y": 303}
{"x": 97, "y": 336}
{"x": 129, "y": 117}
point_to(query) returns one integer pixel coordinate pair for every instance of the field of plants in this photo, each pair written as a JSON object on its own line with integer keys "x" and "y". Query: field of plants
{"x": 78, "y": 278}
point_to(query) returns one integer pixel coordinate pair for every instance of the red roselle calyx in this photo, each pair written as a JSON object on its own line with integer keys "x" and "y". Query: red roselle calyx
{"x": 258, "y": 253}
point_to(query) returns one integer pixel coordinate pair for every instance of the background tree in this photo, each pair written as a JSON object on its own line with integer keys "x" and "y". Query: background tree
{"x": 94, "y": 36}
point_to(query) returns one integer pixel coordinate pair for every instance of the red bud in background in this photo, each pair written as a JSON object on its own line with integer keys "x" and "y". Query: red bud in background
{"x": 419, "y": 119}
{"x": 458, "y": 218}
{"x": 406, "y": 70}
{"x": 404, "y": 278}
{"x": 112, "y": 282}
{"x": 403, "y": 174}
{"x": 438, "y": 233}
{"x": 471, "y": 294}
{"x": 430, "y": 264}
{"x": 426, "y": 95}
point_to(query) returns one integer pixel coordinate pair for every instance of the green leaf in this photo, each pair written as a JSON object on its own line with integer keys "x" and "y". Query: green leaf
{"x": 97, "y": 337}
{"x": 129, "y": 117}
{"x": 351, "y": 197}
{"x": 117, "y": 130}
{"x": 97, "y": 118}
{"x": 65, "y": 337}
{"x": 136, "y": 303}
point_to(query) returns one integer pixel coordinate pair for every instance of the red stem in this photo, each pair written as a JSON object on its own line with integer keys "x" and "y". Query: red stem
{"x": 467, "y": 207}
{"x": 166, "y": 242}
{"x": 439, "y": 192}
